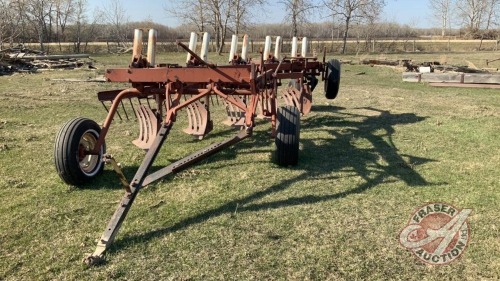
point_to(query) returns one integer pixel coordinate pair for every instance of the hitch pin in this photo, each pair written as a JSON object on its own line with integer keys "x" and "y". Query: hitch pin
{"x": 109, "y": 159}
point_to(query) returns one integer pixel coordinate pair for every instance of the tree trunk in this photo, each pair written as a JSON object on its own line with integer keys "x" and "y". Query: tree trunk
{"x": 346, "y": 32}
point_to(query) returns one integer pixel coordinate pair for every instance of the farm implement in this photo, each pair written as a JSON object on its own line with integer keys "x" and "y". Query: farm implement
{"x": 158, "y": 94}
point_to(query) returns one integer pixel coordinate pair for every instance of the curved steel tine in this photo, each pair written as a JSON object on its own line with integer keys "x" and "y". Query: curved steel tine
{"x": 202, "y": 118}
{"x": 140, "y": 141}
{"x": 306, "y": 100}
{"x": 286, "y": 96}
{"x": 152, "y": 125}
{"x": 190, "y": 114}
{"x": 229, "y": 111}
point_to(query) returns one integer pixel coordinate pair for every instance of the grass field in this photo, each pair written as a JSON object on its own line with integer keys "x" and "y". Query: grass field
{"x": 368, "y": 160}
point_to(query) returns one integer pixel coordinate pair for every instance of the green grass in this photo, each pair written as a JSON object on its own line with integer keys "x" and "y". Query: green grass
{"x": 368, "y": 160}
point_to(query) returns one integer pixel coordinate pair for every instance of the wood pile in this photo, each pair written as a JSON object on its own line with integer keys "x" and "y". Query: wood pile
{"x": 380, "y": 62}
{"x": 21, "y": 59}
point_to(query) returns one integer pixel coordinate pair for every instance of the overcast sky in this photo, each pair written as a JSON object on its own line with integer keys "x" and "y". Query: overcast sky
{"x": 413, "y": 12}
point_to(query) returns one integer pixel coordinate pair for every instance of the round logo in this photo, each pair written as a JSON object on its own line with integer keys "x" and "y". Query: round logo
{"x": 437, "y": 233}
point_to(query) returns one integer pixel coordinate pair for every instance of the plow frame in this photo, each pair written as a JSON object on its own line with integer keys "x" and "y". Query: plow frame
{"x": 256, "y": 82}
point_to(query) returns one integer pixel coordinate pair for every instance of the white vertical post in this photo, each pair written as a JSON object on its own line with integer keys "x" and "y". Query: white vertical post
{"x": 152, "y": 37}
{"x": 234, "y": 47}
{"x": 305, "y": 45}
{"x": 277, "y": 48}
{"x": 204, "y": 46}
{"x": 137, "y": 48}
{"x": 294, "y": 47}
{"x": 244, "y": 48}
{"x": 192, "y": 44}
{"x": 267, "y": 47}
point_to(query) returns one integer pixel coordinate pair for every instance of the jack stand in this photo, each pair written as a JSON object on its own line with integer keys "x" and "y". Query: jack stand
{"x": 109, "y": 159}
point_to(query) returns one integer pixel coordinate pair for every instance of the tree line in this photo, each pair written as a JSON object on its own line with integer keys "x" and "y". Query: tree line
{"x": 57, "y": 21}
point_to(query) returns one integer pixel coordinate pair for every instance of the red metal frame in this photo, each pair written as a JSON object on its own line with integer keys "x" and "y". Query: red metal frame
{"x": 256, "y": 80}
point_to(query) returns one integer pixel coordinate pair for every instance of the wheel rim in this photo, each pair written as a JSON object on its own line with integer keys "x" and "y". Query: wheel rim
{"x": 88, "y": 163}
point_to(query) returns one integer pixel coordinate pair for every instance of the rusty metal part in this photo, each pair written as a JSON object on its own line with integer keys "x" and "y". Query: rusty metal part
{"x": 245, "y": 87}
{"x": 290, "y": 95}
{"x": 109, "y": 159}
{"x": 142, "y": 179}
{"x": 265, "y": 105}
{"x": 198, "y": 120}
{"x": 197, "y": 59}
{"x": 116, "y": 220}
{"x": 300, "y": 98}
{"x": 305, "y": 99}
{"x": 235, "y": 115}
{"x": 148, "y": 127}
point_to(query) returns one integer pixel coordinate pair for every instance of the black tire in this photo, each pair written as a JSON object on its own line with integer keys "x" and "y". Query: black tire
{"x": 287, "y": 136}
{"x": 75, "y": 137}
{"x": 332, "y": 82}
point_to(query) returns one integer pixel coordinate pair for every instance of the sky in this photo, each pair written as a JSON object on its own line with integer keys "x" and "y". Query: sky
{"x": 412, "y": 12}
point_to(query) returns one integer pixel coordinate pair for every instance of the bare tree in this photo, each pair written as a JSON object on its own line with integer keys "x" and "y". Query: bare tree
{"x": 204, "y": 14}
{"x": 297, "y": 11}
{"x": 39, "y": 15}
{"x": 16, "y": 17}
{"x": 243, "y": 13}
{"x": 471, "y": 12}
{"x": 64, "y": 10}
{"x": 4, "y": 24}
{"x": 354, "y": 11}
{"x": 478, "y": 16}
{"x": 441, "y": 10}
{"x": 116, "y": 20}
{"x": 79, "y": 23}
{"x": 492, "y": 12}
{"x": 191, "y": 12}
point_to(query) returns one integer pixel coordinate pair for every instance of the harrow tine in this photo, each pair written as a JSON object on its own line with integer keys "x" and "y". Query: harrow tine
{"x": 124, "y": 110}
{"x": 133, "y": 108}
{"x": 105, "y": 107}
{"x": 235, "y": 116}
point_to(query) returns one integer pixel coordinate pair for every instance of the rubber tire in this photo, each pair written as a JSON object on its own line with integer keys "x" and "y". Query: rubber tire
{"x": 66, "y": 149}
{"x": 287, "y": 136}
{"x": 332, "y": 82}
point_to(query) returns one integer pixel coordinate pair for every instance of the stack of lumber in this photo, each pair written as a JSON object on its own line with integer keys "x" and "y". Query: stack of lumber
{"x": 380, "y": 62}
{"x": 455, "y": 79}
{"x": 21, "y": 59}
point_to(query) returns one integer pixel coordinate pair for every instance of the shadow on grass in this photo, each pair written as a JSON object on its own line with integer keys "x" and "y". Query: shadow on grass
{"x": 376, "y": 164}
